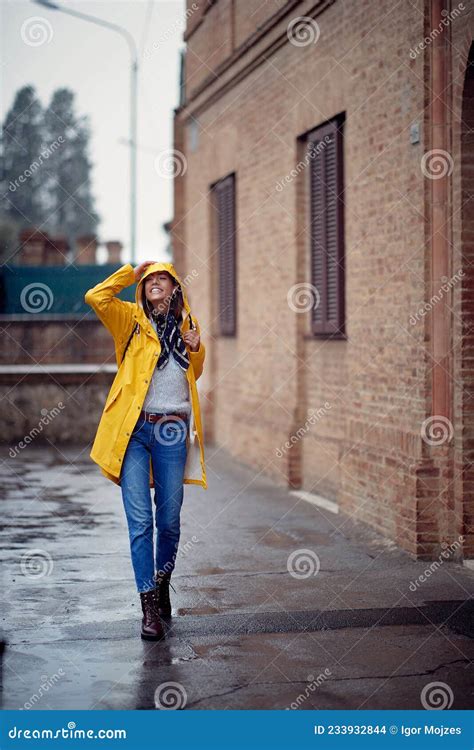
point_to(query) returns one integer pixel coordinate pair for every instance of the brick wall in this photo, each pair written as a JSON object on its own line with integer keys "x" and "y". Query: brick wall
{"x": 255, "y": 97}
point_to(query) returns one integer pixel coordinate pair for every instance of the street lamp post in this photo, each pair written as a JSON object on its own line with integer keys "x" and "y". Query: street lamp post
{"x": 133, "y": 106}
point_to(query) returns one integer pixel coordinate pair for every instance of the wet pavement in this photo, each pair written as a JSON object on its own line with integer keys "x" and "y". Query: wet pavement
{"x": 278, "y": 604}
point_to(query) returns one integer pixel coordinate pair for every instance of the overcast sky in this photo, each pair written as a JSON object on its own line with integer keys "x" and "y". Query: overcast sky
{"x": 95, "y": 63}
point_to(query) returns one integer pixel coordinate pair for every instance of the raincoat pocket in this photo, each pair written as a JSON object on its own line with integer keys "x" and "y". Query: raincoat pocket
{"x": 113, "y": 398}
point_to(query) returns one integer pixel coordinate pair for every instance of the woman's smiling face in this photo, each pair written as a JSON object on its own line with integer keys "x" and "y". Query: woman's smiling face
{"x": 158, "y": 287}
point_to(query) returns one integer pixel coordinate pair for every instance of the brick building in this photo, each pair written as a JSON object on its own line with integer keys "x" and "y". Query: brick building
{"x": 324, "y": 207}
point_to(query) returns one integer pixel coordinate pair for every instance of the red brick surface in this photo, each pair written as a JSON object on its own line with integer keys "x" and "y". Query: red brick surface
{"x": 255, "y": 95}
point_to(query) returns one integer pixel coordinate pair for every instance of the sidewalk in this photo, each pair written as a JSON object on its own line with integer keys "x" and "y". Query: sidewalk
{"x": 246, "y": 633}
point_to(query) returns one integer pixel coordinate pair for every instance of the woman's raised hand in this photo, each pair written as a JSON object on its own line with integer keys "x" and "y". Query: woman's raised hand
{"x": 138, "y": 271}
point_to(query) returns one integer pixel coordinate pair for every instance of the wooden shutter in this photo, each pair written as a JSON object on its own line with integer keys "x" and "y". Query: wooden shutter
{"x": 325, "y": 149}
{"x": 226, "y": 228}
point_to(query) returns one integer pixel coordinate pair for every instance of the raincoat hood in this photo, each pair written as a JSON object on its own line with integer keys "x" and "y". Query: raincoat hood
{"x": 169, "y": 267}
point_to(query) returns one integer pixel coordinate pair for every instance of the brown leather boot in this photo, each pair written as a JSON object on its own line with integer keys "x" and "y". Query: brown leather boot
{"x": 163, "y": 594}
{"x": 152, "y": 627}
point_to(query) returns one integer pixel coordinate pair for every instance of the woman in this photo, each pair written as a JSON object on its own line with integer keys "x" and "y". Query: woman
{"x": 150, "y": 432}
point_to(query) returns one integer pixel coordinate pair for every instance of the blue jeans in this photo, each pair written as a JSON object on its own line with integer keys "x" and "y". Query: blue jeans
{"x": 165, "y": 442}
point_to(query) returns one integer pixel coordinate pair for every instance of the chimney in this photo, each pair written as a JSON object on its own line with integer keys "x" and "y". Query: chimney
{"x": 114, "y": 251}
{"x": 32, "y": 247}
{"x": 55, "y": 251}
{"x": 86, "y": 250}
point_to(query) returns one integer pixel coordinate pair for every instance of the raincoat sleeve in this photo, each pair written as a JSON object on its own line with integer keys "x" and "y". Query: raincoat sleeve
{"x": 115, "y": 314}
{"x": 197, "y": 358}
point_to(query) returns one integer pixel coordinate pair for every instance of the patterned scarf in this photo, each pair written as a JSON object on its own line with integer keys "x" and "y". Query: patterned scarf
{"x": 170, "y": 339}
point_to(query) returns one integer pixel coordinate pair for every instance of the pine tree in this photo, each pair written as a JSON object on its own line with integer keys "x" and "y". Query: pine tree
{"x": 70, "y": 204}
{"x": 21, "y": 177}
{"x": 45, "y": 172}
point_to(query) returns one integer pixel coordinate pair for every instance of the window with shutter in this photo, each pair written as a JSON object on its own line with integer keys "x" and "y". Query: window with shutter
{"x": 326, "y": 207}
{"x": 224, "y": 202}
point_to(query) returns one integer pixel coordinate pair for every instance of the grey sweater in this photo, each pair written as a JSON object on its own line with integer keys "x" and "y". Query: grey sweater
{"x": 169, "y": 389}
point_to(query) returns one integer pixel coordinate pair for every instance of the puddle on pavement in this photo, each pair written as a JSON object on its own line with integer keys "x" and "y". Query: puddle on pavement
{"x": 210, "y": 571}
{"x": 272, "y": 537}
{"x": 197, "y": 611}
{"x": 207, "y": 650}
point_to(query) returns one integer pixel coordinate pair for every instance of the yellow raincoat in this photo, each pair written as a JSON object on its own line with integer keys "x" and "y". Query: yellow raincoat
{"x": 128, "y": 390}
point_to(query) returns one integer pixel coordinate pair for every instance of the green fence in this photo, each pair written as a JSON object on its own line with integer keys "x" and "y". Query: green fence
{"x": 52, "y": 290}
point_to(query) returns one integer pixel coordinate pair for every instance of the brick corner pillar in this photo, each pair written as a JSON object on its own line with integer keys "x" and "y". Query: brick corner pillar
{"x": 425, "y": 543}
{"x": 32, "y": 247}
{"x": 86, "y": 250}
{"x": 434, "y": 518}
{"x": 114, "y": 251}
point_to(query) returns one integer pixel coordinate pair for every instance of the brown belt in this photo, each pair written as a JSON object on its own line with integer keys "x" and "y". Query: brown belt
{"x": 150, "y": 416}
